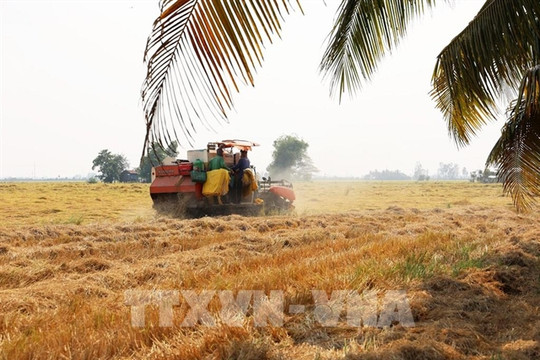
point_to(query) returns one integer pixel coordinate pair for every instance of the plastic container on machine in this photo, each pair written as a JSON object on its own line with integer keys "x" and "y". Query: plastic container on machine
{"x": 198, "y": 165}
{"x": 193, "y": 155}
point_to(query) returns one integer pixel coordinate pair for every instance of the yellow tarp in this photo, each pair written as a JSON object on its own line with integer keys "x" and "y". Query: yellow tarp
{"x": 249, "y": 184}
{"x": 217, "y": 183}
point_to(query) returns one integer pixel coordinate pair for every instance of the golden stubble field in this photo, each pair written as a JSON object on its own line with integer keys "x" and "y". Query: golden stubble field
{"x": 467, "y": 262}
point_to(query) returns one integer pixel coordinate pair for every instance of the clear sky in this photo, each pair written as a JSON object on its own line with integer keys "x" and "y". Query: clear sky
{"x": 71, "y": 74}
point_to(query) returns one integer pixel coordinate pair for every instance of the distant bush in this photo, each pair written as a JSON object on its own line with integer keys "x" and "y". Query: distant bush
{"x": 92, "y": 180}
{"x": 386, "y": 175}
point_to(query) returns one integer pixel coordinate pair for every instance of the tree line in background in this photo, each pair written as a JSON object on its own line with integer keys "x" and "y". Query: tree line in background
{"x": 446, "y": 171}
{"x": 289, "y": 161}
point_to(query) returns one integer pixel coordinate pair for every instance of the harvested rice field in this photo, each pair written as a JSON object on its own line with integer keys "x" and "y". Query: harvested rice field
{"x": 91, "y": 271}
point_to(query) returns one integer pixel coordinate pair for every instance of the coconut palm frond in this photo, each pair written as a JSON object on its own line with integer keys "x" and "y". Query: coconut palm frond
{"x": 199, "y": 51}
{"x": 364, "y": 31}
{"x": 483, "y": 62}
{"x": 517, "y": 152}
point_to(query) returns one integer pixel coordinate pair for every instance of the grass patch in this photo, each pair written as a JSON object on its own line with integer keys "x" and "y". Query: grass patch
{"x": 416, "y": 266}
{"x": 75, "y": 220}
{"x": 467, "y": 260}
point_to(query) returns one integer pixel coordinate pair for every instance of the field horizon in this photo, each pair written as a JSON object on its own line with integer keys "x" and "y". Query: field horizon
{"x": 466, "y": 264}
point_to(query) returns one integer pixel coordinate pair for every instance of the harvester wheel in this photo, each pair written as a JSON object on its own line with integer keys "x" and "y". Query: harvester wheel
{"x": 275, "y": 204}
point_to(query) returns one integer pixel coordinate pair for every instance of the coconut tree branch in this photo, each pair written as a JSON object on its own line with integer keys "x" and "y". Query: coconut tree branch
{"x": 365, "y": 31}
{"x": 517, "y": 152}
{"x": 484, "y": 62}
{"x": 199, "y": 51}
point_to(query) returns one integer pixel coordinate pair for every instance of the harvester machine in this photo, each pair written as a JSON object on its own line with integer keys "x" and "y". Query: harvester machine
{"x": 187, "y": 188}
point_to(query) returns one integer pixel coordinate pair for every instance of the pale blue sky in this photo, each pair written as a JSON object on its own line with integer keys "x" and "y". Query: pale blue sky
{"x": 71, "y": 73}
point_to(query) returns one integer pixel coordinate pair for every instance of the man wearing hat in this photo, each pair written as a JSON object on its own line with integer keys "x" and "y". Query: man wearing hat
{"x": 238, "y": 169}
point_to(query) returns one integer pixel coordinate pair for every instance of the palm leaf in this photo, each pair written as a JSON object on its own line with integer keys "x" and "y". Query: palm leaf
{"x": 197, "y": 52}
{"x": 484, "y": 62}
{"x": 364, "y": 31}
{"x": 517, "y": 152}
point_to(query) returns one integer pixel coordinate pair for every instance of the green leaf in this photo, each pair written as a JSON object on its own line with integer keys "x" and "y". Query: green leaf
{"x": 364, "y": 32}
{"x": 484, "y": 63}
{"x": 517, "y": 152}
{"x": 198, "y": 50}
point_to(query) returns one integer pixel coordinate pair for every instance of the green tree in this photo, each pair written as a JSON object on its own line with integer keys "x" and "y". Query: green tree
{"x": 212, "y": 46}
{"x": 305, "y": 169}
{"x": 110, "y": 165}
{"x": 290, "y": 159}
{"x": 155, "y": 155}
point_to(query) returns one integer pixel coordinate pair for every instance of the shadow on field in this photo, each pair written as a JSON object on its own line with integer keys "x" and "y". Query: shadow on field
{"x": 488, "y": 313}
